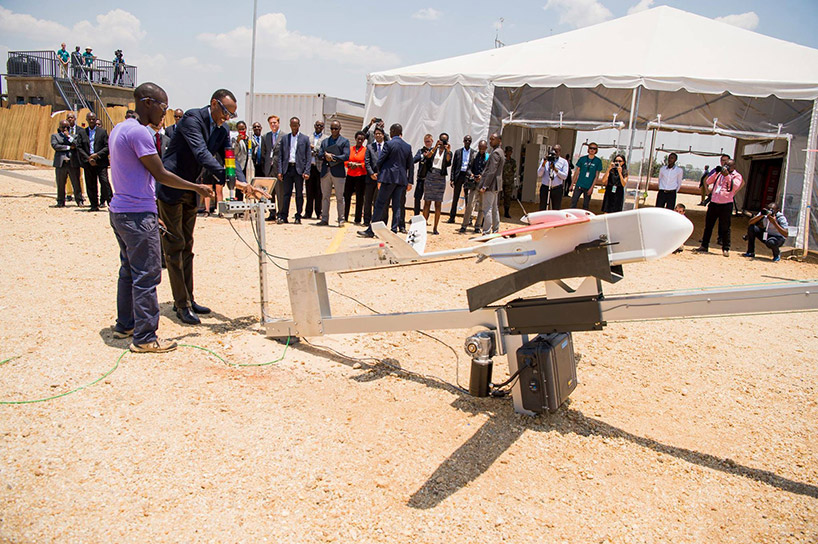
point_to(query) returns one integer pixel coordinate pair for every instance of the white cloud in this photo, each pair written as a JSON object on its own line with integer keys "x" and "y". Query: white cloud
{"x": 276, "y": 41}
{"x": 427, "y": 14}
{"x": 641, "y": 6}
{"x": 747, "y": 20}
{"x": 579, "y": 13}
{"x": 196, "y": 65}
{"x": 20, "y": 23}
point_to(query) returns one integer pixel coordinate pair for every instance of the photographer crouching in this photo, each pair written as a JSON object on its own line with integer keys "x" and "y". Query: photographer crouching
{"x": 769, "y": 226}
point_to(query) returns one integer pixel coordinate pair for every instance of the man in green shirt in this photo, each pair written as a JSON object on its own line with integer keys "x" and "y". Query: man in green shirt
{"x": 509, "y": 170}
{"x": 588, "y": 169}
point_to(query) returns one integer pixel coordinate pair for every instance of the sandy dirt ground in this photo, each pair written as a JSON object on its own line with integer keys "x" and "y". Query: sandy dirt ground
{"x": 684, "y": 431}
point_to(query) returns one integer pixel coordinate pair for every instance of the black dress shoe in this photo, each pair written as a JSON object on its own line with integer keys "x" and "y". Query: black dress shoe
{"x": 186, "y": 315}
{"x": 450, "y": 220}
{"x": 199, "y": 309}
{"x": 366, "y": 234}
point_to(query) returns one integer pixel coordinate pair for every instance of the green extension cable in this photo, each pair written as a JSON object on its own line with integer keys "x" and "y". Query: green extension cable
{"x": 116, "y": 365}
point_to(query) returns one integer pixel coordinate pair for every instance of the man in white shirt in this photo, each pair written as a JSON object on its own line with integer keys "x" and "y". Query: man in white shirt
{"x": 670, "y": 181}
{"x": 552, "y": 173}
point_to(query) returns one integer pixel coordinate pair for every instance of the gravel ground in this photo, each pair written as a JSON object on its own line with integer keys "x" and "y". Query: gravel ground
{"x": 684, "y": 431}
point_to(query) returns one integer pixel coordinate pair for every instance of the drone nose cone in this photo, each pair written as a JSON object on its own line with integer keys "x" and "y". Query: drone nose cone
{"x": 663, "y": 231}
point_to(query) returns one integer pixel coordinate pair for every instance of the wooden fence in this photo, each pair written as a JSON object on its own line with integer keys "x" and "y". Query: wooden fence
{"x": 27, "y": 128}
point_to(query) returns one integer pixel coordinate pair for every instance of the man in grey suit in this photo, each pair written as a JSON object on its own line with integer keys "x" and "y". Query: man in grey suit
{"x": 335, "y": 151}
{"x": 396, "y": 167}
{"x": 295, "y": 159}
{"x": 63, "y": 144}
{"x": 490, "y": 184}
{"x": 270, "y": 147}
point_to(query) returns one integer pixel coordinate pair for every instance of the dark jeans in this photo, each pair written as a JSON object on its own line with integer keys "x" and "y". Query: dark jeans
{"x": 584, "y": 193}
{"x": 292, "y": 181}
{"x": 773, "y": 241}
{"x": 720, "y": 213}
{"x": 63, "y": 173}
{"x": 666, "y": 199}
{"x": 313, "y": 193}
{"x": 94, "y": 174}
{"x": 370, "y": 192}
{"x": 137, "y": 306}
{"x": 354, "y": 185}
{"x": 388, "y": 194}
{"x": 458, "y": 181}
{"x": 418, "y": 195}
{"x": 180, "y": 220}
{"x": 552, "y": 196}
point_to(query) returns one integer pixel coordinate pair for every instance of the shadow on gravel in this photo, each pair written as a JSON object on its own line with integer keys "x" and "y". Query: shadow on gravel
{"x": 497, "y": 434}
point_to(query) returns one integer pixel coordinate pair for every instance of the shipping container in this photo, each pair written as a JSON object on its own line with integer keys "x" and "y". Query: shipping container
{"x": 308, "y": 108}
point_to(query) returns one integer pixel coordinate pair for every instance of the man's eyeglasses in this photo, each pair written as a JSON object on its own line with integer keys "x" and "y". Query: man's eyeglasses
{"x": 593, "y": 149}
{"x": 161, "y": 104}
{"x": 226, "y": 111}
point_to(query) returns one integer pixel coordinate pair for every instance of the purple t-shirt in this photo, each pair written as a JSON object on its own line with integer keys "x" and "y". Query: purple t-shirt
{"x": 134, "y": 186}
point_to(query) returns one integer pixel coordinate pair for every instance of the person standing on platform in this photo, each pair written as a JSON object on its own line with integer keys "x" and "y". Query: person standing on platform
{"x": 589, "y": 166}
{"x": 200, "y": 137}
{"x": 313, "y": 183}
{"x": 552, "y": 172}
{"x": 723, "y": 185}
{"x": 615, "y": 180}
{"x": 294, "y": 168}
{"x": 490, "y": 183}
{"x": 670, "y": 181}
{"x": 395, "y": 171}
{"x": 62, "y": 58}
{"x": 92, "y": 146}
{"x": 135, "y": 168}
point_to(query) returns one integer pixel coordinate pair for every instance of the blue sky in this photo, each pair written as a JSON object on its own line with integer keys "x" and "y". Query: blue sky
{"x": 192, "y": 48}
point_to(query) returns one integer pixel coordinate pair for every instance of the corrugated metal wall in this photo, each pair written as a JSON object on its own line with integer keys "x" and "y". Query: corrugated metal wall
{"x": 308, "y": 108}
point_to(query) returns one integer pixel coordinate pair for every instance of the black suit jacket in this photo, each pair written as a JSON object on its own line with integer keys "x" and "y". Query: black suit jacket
{"x": 170, "y": 131}
{"x": 303, "y": 154}
{"x": 192, "y": 149}
{"x": 457, "y": 163}
{"x": 100, "y": 146}
{"x": 371, "y": 159}
{"x": 270, "y": 154}
{"x": 396, "y": 164}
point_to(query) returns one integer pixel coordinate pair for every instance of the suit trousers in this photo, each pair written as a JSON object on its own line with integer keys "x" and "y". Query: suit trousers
{"x": 552, "y": 196}
{"x": 180, "y": 220}
{"x": 328, "y": 182}
{"x": 292, "y": 181}
{"x": 389, "y": 194}
{"x": 63, "y": 173}
{"x": 137, "y": 306}
{"x": 666, "y": 199}
{"x": 370, "y": 192}
{"x": 313, "y": 193}
{"x": 418, "y": 195}
{"x": 458, "y": 181}
{"x": 720, "y": 213}
{"x": 491, "y": 211}
{"x": 475, "y": 201}
{"x": 354, "y": 185}
{"x": 773, "y": 241}
{"x": 94, "y": 174}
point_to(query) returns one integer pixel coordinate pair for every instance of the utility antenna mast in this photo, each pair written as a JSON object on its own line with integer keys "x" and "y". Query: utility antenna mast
{"x": 498, "y": 27}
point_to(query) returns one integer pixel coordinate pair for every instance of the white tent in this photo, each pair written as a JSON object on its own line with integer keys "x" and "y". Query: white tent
{"x": 662, "y": 69}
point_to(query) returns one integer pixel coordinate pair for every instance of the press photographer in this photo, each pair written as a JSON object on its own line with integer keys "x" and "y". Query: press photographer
{"x": 553, "y": 171}
{"x": 769, "y": 226}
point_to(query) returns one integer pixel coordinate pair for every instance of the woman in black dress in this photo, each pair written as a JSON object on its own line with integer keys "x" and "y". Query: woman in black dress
{"x": 615, "y": 180}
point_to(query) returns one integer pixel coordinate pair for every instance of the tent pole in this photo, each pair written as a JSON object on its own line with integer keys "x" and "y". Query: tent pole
{"x": 634, "y": 117}
{"x": 650, "y": 164}
{"x": 805, "y": 213}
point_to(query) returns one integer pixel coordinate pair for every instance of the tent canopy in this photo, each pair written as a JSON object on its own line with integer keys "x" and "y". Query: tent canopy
{"x": 652, "y": 48}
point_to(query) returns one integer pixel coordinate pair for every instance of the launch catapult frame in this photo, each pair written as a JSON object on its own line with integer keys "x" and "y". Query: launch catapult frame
{"x": 555, "y": 246}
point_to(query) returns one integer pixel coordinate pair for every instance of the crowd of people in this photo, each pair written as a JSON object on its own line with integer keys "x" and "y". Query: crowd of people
{"x": 79, "y": 61}
{"x": 187, "y": 159}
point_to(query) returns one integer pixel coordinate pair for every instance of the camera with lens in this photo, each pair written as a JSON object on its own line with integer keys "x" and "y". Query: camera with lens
{"x": 551, "y": 156}
{"x": 723, "y": 170}
{"x": 765, "y": 211}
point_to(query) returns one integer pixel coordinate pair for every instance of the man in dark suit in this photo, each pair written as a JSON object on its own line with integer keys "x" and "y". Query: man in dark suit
{"x": 63, "y": 145}
{"x": 177, "y": 116}
{"x": 92, "y": 146}
{"x": 75, "y": 164}
{"x": 395, "y": 170}
{"x": 270, "y": 148}
{"x": 294, "y": 164}
{"x": 373, "y": 153}
{"x": 200, "y": 135}
{"x": 461, "y": 174}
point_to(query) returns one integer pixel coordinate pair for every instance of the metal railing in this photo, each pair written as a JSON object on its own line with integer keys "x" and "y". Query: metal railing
{"x": 47, "y": 64}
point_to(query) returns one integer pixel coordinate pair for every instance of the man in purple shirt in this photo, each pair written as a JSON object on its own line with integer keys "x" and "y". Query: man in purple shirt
{"x": 723, "y": 184}
{"x": 135, "y": 168}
